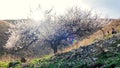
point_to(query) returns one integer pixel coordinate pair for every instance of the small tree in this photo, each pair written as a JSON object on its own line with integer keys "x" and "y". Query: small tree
{"x": 54, "y": 29}
{"x": 75, "y": 23}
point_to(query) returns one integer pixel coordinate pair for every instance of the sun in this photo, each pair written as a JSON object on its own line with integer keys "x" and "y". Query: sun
{"x": 38, "y": 16}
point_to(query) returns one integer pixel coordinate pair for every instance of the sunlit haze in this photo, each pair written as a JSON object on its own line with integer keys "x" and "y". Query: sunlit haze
{"x": 20, "y": 9}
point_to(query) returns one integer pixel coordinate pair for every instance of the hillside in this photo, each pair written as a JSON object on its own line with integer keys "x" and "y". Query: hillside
{"x": 101, "y": 49}
{"x": 13, "y": 21}
{"x": 3, "y": 34}
{"x": 101, "y": 54}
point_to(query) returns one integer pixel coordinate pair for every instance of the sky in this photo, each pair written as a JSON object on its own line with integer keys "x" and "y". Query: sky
{"x": 19, "y": 9}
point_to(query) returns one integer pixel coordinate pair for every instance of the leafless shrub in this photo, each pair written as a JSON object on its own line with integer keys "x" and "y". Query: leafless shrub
{"x": 75, "y": 23}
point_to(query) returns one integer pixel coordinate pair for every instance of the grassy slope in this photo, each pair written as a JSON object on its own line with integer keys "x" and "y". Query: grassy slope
{"x": 84, "y": 57}
{"x": 104, "y": 53}
{"x": 92, "y": 56}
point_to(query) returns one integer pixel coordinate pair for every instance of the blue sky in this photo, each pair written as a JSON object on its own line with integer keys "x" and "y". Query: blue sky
{"x": 111, "y": 8}
{"x": 17, "y": 9}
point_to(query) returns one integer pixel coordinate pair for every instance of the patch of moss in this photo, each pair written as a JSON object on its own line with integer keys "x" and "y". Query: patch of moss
{"x": 109, "y": 59}
{"x": 117, "y": 42}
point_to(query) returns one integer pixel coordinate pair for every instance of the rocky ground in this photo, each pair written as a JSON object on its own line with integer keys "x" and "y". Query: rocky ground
{"x": 102, "y": 54}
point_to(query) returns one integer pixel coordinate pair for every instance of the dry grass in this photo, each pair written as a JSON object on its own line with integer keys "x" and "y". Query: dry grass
{"x": 8, "y": 58}
{"x": 3, "y": 39}
{"x": 3, "y": 32}
{"x": 98, "y": 35}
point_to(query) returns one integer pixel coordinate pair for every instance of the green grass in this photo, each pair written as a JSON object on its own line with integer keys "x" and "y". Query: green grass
{"x": 6, "y": 64}
{"x": 109, "y": 59}
{"x": 48, "y": 62}
{"x": 3, "y": 64}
